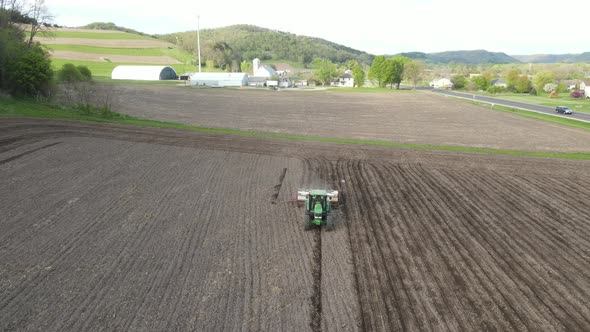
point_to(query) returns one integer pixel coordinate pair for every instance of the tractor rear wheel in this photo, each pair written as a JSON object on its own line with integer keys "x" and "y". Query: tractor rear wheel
{"x": 329, "y": 223}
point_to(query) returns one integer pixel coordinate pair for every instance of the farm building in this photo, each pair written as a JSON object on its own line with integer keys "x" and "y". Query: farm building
{"x": 345, "y": 80}
{"x": 144, "y": 73}
{"x": 261, "y": 70}
{"x": 443, "y": 83}
{"x": 498, "y": 82}
{"x": 219, "y": 79}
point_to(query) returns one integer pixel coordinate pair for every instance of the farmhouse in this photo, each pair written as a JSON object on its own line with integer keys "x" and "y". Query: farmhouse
{"x": 571, "y": 84}
{"x": 219, "y": 79}
{"x": 443, "y": 83}
{"x": 499, "y": 83}
{"x": 144, "y": 73}
{"x": 345, "y": 80}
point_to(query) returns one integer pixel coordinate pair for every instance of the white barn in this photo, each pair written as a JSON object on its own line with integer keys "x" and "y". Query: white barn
{"x": 219, "y": 79}
{"x": 144, "y": 73}
{"x": 261, "y": 70}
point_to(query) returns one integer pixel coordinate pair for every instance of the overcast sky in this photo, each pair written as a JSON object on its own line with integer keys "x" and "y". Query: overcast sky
{"x": 377, "y": 27}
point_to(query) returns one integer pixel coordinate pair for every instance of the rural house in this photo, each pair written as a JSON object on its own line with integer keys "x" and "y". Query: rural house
{"x": 345, "y": 80}
{"x": 571, "y": 84}
{"x": 498, "y": 82}
{"x": 443, "y": 83}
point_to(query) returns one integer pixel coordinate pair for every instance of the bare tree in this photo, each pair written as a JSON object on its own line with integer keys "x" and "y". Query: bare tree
{"x": 414, "y": 71}
{"x": 41, "y": 18}
{"x": 7, "y": 10}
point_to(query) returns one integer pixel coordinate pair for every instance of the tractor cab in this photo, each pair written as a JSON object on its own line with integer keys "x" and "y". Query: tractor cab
{"x": 317, "y": 209}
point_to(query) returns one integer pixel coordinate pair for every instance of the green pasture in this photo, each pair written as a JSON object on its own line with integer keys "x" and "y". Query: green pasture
{"x": 106, "y": 68}
{"x": 108, "y": 50}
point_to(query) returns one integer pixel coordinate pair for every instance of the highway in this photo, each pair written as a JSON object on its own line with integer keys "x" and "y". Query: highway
{"x": 515, "y": 104}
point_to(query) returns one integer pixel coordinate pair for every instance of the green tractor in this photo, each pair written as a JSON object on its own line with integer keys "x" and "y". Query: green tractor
{"x": 318, "y": 209}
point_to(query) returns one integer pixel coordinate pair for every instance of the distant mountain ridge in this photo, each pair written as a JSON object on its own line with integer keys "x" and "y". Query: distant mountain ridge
{"x": 466, "y": 57}
{"x": 554, "y": 58}
{"x": 250, "y": 41}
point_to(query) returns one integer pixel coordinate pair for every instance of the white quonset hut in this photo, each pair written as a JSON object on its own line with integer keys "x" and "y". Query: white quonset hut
{"x": 219, "y": 79}
{"x": 144, "y": 73}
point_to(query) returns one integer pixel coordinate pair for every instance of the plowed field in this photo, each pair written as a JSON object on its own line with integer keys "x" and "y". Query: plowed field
{"x": 127, "y": 228}
{"x": 404, "y": 117}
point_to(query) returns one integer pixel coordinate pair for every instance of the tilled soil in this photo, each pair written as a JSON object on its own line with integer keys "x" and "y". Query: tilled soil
{"x": 114, "y": 43}
{"x": 129, "y": 228}
{"x": 405, "y": 117}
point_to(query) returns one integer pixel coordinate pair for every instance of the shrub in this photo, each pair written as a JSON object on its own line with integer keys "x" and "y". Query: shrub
{"x": 29, "y": 72}
{"x": 458, "y": 81}
{"x": 577, "y": 94}
{"x": 69, "y": 74}
{"x": 481, "y": 82}
{"x": 496, "y": 89}
{"x": 85, "y": 72}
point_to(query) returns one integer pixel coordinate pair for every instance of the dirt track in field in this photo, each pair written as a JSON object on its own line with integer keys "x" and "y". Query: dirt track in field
{"x": 96, "y": 57}
{"x": 419, "y": 118}
{"x": 116, "y": 227}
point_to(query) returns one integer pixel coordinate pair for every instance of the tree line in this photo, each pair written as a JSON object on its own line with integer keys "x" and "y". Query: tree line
{"x": 25, "y": 66}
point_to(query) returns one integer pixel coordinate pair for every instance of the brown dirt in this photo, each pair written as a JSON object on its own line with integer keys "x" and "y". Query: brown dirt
{"x": 129, "y": 228}
{"x": 115, "y": 43}
{"x": 419, "y": 118}
{"x": 97, "y": 57}
{"x": 85, "y": 30}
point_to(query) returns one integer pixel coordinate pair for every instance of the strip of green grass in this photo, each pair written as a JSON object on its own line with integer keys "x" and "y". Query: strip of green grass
{"x": 368, "y": 90}
{"x": 576, "y": 104}
{"x": 105, "y": 69}
{"x": 20, "y": 108}
{"x": 540, "y": 116}
{"x": 108, "y": 50}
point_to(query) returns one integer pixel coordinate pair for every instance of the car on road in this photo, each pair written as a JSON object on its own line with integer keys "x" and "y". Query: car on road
{"x": 563, "y": 110}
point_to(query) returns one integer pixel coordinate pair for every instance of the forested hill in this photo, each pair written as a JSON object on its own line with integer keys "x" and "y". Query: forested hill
{"x": 246, "y": 42}
{"x": 467, "y": 57}
{"x": 554, "y": 58}
{"x": 110, "y": 26}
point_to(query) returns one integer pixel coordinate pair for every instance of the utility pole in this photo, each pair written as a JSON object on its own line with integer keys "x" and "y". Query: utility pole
{"x": 198, "y": 43}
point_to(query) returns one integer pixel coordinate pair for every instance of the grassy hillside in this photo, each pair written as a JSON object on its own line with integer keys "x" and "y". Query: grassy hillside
{"x": 248, "y": 42}
{"x": 90, "y": 48}
{"x": 464, "y": 57}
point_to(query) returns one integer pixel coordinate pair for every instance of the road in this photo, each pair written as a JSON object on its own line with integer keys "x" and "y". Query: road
{"x": 497, "y": 101}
